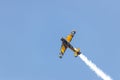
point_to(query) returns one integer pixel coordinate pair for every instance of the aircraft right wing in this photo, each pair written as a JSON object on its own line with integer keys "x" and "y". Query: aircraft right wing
{"x": 63, "y": 49}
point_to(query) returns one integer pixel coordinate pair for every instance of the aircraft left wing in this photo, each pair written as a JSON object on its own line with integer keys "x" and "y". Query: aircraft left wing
{"x": 70, "y": 36}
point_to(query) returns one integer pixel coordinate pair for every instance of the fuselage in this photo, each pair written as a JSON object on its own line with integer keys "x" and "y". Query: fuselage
{"x": 67, "y": 44}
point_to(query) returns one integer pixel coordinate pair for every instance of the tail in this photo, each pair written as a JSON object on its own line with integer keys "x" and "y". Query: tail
{"x": 77, "y": 52}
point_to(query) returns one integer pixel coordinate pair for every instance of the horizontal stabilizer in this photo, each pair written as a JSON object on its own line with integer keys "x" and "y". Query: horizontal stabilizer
{"x": 77, "y": 52}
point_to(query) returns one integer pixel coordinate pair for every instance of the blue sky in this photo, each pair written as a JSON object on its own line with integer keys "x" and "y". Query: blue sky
{"x": 30, "y": 32}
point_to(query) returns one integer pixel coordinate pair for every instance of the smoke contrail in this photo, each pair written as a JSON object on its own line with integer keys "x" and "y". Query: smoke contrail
{"x": 93, "y": 67}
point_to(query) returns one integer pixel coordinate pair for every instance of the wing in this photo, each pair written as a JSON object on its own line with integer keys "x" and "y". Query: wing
{"x": 69, "y": 37}
{"x": 63, "y": 49}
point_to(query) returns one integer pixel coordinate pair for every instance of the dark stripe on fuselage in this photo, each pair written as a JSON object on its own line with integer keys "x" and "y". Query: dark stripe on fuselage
{"x": 67, "y": 44}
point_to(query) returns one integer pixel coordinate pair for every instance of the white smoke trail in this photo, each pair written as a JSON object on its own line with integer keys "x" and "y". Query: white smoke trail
{"x": 93, "y": 67}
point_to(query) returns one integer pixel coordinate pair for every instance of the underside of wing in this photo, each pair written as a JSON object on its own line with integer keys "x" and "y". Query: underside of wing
{"x": 63, "y": 49}
{"x": 69, "y": 37}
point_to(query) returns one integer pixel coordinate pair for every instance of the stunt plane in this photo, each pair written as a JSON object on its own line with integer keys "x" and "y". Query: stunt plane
{"x": 66, "y": 44}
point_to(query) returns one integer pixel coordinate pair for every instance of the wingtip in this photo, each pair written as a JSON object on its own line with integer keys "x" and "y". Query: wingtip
{"x": 73, "y": 32}
{"x": 60, "y": 57}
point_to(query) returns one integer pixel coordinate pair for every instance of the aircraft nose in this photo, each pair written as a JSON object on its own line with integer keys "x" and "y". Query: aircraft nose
{"x": 62, "y": 39}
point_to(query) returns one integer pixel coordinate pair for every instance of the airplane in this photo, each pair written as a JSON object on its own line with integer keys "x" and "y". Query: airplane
{"x": 66, "y": 44}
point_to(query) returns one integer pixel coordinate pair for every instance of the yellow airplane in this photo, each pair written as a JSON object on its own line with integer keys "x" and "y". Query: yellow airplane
{"x": 66, "y": 44}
